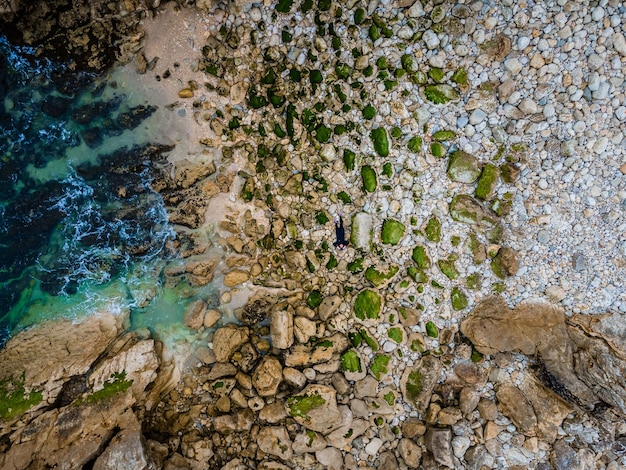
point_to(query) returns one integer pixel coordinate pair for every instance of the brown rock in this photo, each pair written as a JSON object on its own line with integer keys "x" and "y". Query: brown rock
{"x": 237, "y": 422}
{"x": 410, "y": 452}
{"x": 515, "y": 405}
{"x": 418, "y": 382}
{"x": 236, "y": 277}
{"x": 328, "y": 307}
{"x": 267, "y": 376}
{"x": 281, "y": 327}
{"x": 274, "y": 440}
{"x": 227, "y": 340}
{"x": 315, "y": 408}
{"x": 505, "y": 264}
{"x": 185, "y": 93}
{"x": 438, "y": 441}
{"x": 194, "y": 315}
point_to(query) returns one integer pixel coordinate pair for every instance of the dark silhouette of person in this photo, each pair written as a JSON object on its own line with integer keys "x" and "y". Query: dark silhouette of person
{"x": 340, "y": 233}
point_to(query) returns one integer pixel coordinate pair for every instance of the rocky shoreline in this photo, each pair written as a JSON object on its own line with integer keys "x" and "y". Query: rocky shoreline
{"x": 476, "y": 154}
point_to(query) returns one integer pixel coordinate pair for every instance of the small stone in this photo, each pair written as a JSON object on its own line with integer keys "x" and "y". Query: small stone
{"x": 460, "y": 444}
{"x": 194, "y": 314}
{"x": 431, "y": 39}
{"x": 410, "y": 452}
{"x": 438, "y": 441}
{"x": 595, "y": 61}
{"x": 330, "y": 457}
{"x": 477, "y": 116}
{"x": 619, "y": 43}
{"x": 537, "y": 61}
{"x": 267, "y": 376}
{"x": 505, "y": 263}
{"x": 374, "y": 446}
{"x": 513, "y": 66}
{"x": 463, "y": 167}
{"x": 528, "y": 106}
{"x": 185, "y": 93}
{"x": 555, "y": 293}
{"x": 274, "y": 440}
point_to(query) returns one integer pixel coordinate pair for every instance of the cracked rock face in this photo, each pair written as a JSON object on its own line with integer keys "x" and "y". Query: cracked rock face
{"x": 581, "y": 357}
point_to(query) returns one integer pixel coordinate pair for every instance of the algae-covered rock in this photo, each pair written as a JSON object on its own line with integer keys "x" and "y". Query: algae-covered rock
{"x": 465, "y": 209}
{"x": 368, "y": 175}
{"x": 380, "y": 141}
{"x": 367, "y": 305}
{"x": 505, "y": 263}
{"x": 379, "y": 365}
{"x": 433, "y": 230}
{"x": 463, "y": 167}
{"x": 392, "y": 232}
{"x": 487, "y": 181}
{"x": 447, "y": 266}
{"x": 315, "y": 408}
{"x": 420, "y": 257}
{"x": 418, "y": 382}
{"x": 441, "y": 93}
{"x": 362, "y": 231}
{"x": 381, "y": 277}
{"x": 458, "y": 298}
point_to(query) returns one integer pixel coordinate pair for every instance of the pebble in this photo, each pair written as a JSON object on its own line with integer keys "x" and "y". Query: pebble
{"x": 374, "y": 446}
{"x": 477, "y": 116}
{"x": 431, "y": 39}
{"x": 513, "y": 66}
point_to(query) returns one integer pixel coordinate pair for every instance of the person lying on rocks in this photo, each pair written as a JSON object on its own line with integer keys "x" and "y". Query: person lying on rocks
{"x": 340, "y": 233}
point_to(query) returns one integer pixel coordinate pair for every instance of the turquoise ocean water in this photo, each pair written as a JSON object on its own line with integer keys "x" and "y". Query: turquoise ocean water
{"x": 80, "y": 228}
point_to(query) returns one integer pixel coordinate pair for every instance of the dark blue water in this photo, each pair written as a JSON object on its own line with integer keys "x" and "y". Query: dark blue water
{"x": 77, "y": 213}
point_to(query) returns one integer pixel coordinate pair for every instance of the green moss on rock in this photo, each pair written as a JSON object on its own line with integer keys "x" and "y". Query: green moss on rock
{"x": 487, "y": 182}
{"x": 463, "y": 167}
{"x": 14, "y": 400}
{"x": 458, "y": 298}
{"x": 301, "y": 405}
{"x": 367, "y": 305}
{"x": 314, "y": 299}
{"x": 379, "y": 365}
{"x": 380, "y": 141}
{"x": 447, "y": 266}
{"x": 441, "y": 93}
{"x": 444, "y": 135}
{"x": 349, "y": 158}
{"x": 350, "y": 361}
{"x": 431, "y": 330}
{"x": 420, "y": 256}
{"x": 396, "y": 334}
{"x": 433, "y": 230}
{"x": 378, "y": 278}
{"x": 392, "y": 232}
{"x": 414, "y": 144}
{"x": 368, "y": 176}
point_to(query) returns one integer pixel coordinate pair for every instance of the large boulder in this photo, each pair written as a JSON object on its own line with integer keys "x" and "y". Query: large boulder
{"x": 315, "y": 408}
{"x": 583, "y": 357}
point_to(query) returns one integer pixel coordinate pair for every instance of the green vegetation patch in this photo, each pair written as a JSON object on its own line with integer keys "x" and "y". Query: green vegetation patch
{"x": 392, "y": 232}
{"x": 447, "y": 266}
{"x": 458, "y": 298}
{"x": 414, "y": 385}
{"x": 380, "y": 277}
{"x": 344, "y": 197}
{"x": 367, "y": 305}
{"x": 396, "y": 334}
{"x": 487, "y": 181}
{"x": 421, "y": 257}
{"x": 460, "y": 77}
{"x": 368, "y": 176}
{"x": 380, "y": 141}
{"x": 321, "y": 218}
{"x": 414, "y": 144}
{"x": 379, "y": 365}
{"x": 116, "y": 384}
{"x": 314, "y": 299}
{"x": 444, "y": 135}
{"x": 14, "y": 401}
{"x": 369, "y": 112}
{"x": 349, "y": 158}
{"x": 350, "y": 362}
{"x": 431, "y": 330}
{"x": 390, "y": 398}
{"x": 441, "y": 93}
{"x": 433, "y": 230}
{"x": 301, "y": 405}
{"x": 284, "y": 6}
